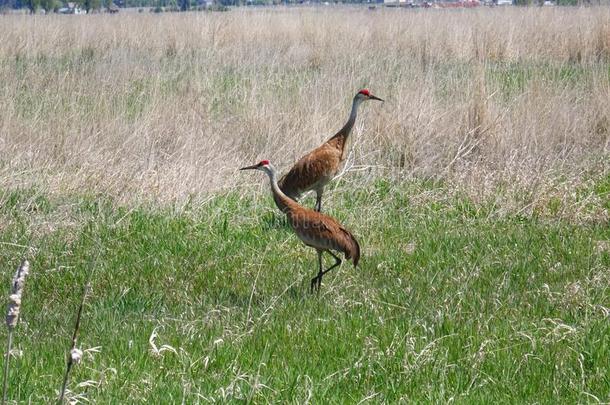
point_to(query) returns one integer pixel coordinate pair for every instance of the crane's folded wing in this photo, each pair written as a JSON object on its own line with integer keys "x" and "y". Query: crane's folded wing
{"x": 312, "y": 170}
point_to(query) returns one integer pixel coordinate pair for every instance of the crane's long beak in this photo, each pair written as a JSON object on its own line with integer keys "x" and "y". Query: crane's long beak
{"x": 372, "y": 97}
{"x": 249, "y": 167}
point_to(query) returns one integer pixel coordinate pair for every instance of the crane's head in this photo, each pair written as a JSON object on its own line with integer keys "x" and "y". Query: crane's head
{"x": 364, "y": 94}
{"x": 263, "y": 166}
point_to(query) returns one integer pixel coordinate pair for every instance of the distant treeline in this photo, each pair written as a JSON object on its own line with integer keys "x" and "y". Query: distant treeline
{"x": 55, "y": 5}
{"x": 175, "y": 5}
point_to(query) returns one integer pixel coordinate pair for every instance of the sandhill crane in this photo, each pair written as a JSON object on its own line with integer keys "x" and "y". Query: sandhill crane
{"x": 315, "y": 229}
{"x": 314, "y": 170}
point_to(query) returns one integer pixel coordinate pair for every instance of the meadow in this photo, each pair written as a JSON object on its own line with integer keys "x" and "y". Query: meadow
{"x": 479, "y": 192}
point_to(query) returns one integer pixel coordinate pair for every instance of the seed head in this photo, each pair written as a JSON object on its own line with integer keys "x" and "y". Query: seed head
{"x": 14, "y": 304}
{"x": 76, "y": 355}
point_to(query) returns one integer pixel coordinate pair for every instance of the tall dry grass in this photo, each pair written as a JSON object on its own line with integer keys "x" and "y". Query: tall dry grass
{"x": 166, "y": 107}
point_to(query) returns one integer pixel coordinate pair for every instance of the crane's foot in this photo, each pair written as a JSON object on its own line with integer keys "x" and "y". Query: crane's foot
{"x": 316, "y": 282}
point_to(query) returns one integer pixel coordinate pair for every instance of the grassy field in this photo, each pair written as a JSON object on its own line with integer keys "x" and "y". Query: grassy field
{"x": 158, "y": 108}
{"x": 479, "y": 192}
{"x": 452, "y": 301}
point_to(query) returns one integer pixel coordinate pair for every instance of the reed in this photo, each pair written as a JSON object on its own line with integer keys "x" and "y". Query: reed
{"x": 75, "y": 355}
{"x": 12, "y": 318}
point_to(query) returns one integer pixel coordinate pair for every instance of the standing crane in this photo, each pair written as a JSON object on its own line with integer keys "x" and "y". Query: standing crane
{"x": 314, "y": 170}
{"x": 315, "y": 229}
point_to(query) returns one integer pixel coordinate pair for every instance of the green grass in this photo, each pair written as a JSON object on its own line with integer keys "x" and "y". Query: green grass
{"x": 452, "y": 300}
{"x": 510, "y": 79}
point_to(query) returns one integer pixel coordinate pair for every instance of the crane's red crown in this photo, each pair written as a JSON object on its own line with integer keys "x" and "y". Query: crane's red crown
{"x": 263, "y": 163}
{"x": 365, "y": 92}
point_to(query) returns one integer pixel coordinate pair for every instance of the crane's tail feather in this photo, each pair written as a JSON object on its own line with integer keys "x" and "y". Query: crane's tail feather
{"x": 291, "y": 192}
{"x": 357, "y": 256}
{"x": 350, "y": 247}
{"x": 355, "y": 253}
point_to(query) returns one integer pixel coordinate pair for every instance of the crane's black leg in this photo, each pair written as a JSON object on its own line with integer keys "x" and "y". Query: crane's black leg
{"x": 318, "y": 201}
{"x": 315, "y": 284}
{"x": 337, "y": 262}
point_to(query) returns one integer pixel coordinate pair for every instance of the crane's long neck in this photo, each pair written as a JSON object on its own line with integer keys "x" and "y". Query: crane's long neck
{"x": 340, "y": 138}
{"x": 283, "y": 202}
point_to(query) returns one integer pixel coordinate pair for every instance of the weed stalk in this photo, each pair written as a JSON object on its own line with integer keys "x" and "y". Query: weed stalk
{"x": 12, "y": 317}
{"x": 75, "y": 354}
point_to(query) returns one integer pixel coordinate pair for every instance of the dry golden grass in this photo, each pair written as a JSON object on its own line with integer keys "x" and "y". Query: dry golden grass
{"x": 166, "y": 107}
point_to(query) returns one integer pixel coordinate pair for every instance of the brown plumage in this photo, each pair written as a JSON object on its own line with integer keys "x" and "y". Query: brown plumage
{"x": 315, "y": 229}
{"x": 314, "y": 170}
